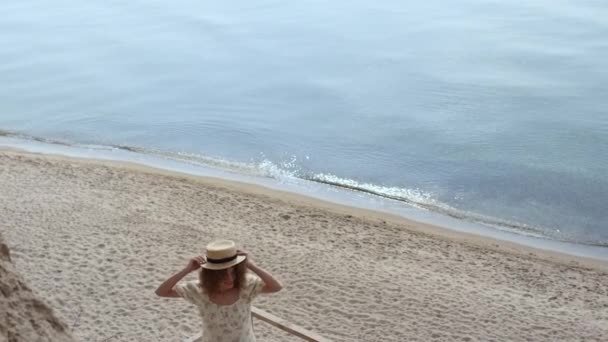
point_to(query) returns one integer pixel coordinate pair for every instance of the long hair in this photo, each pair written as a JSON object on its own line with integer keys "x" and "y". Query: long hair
{"x": 210, "y": 279}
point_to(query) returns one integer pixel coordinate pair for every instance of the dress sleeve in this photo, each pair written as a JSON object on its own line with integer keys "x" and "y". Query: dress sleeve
{"x": 254, "y": 285}
{"x": 189, "y": 290}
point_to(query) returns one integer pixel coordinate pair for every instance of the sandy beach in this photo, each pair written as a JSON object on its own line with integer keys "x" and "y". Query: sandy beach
{"x": 94, "y": 239}
{"x": 24, "y": 317}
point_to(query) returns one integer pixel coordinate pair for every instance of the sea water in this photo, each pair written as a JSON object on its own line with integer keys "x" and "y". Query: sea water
{"x": 494, "y": 113}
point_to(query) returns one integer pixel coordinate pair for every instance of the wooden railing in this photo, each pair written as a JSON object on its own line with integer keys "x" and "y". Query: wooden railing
{"x": 280, "y": 323}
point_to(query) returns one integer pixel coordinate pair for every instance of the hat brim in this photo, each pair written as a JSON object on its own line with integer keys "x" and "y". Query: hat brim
{"x": 210, "y": 266}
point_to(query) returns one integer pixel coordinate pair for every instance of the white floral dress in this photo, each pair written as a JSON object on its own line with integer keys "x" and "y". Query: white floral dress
{"x": 224, "y": 323}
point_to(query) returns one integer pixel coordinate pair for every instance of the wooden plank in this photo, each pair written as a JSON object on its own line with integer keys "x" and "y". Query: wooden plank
{"x": 280, "y": 323}
{"x": 290, "y": 328}
{"x": 197, "y": 338}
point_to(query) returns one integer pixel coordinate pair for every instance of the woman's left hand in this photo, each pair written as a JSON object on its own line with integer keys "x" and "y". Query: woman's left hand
{"x": 248, "y": 259}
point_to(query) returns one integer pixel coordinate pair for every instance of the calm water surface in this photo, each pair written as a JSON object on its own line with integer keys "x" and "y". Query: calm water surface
{"x": 489, "y": 111}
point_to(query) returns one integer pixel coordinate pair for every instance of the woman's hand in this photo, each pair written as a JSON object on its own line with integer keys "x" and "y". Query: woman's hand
{"x": 166, "y": 289}
{"x": 271, "y": 284}
{"x": 248, "y": 260}
{"x": 195, "y": 263}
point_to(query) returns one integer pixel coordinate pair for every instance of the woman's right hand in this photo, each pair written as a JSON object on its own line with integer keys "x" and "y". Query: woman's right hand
{"x": 195, "y": 263}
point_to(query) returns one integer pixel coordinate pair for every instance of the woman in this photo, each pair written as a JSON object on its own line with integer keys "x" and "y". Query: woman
{"x": 224, "y": 291}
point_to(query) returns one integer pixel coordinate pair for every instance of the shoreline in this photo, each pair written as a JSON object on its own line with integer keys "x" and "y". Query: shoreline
{"x": 364, "y": 213}
{"x": 438, "y": 231}
{"x": 96, "y": 238}
{"x": 302, "y": 187}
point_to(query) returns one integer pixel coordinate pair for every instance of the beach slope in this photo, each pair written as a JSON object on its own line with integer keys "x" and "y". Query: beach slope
{"x": 96, "y": 238}
{"x": 23, "y": 316}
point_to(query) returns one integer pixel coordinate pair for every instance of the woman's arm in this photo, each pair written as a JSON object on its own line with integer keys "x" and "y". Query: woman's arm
{"x": 272, "y": 285}
{"x": 166, "y": 288}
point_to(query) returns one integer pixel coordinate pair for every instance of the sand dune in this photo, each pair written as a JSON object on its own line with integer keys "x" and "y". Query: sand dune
{"x": 96, "y": 238}
{"x": 24, "y": 317}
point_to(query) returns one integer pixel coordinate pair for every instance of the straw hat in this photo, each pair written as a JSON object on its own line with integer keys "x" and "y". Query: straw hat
{"x": 221, "y": 254}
